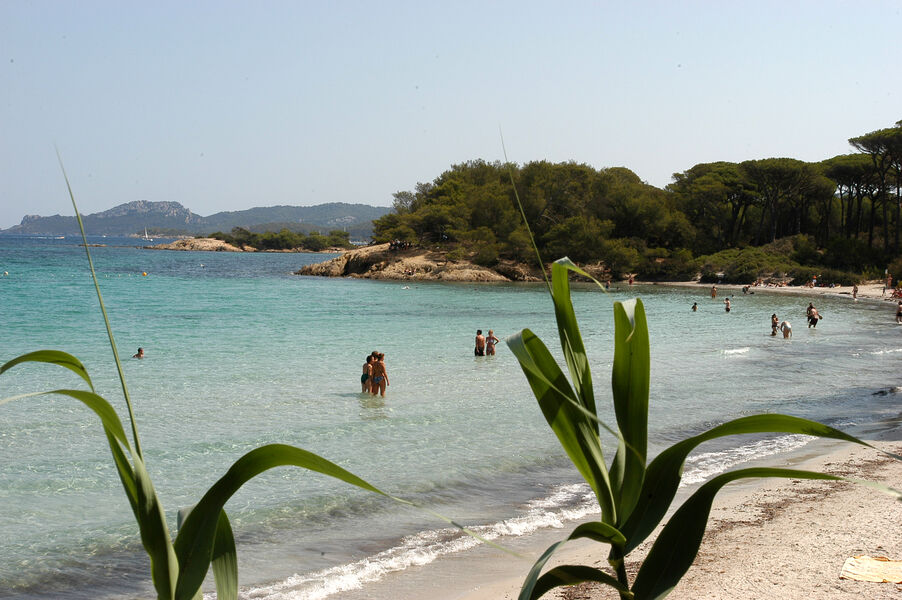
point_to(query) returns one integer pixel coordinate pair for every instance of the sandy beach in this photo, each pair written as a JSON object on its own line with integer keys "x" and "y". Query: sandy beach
{"x": 775, "y": 538}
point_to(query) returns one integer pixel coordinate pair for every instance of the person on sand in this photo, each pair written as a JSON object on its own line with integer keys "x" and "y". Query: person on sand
{"x": 774, "y": 324}
{"x": 694, "y": 306}
{"x": 726, "y": 303}
{"x": 480, "y": 343}
{"x": 379, "y": 376}
{"x": 855, "y": 292}
{"x": 140, "y": 353}
{"x": 631, "y": 280}
{"x": 786, "y": 328}
{"x": 367, "y": 374}
{"x": 713, "y": 291}
{"x": 490, "y": 341}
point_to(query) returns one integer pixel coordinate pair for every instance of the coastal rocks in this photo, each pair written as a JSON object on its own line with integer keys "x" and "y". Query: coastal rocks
{"x": 378, "y": 262}
{"x": 203, "y": 244}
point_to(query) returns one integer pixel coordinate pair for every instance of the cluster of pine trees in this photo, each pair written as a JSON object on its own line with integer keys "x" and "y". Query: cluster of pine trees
{"x": 284, "y": 239}
{"x": 776, "y": 216}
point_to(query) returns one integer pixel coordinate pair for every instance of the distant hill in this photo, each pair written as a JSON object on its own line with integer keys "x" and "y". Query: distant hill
{"x": 171, "y": 217}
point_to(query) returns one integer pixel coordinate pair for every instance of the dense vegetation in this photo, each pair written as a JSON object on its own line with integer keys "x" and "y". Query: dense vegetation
{"x": 782, "y": 217}
{"x": 284, "y": 240}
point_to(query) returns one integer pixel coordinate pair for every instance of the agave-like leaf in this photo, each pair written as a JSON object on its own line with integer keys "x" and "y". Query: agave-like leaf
{"x": 677, "y": 545}
{"x": 630, "y": 384}
{"x": 595, "y": 530}
{"x": 225, "y": 560}
{"x": 568, "y": 329}
{"x": 577, "y": 434}
{"x": 164, "y": 566}
{"x": 195, "y": 540}
{"x": 571, "y": 575}
{"x": 665, "y": 472}
{"x": 56, "y": 357}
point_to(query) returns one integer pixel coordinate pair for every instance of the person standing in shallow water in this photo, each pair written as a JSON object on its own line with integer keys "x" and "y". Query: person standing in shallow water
{"x": 726, "y": 304}
{"x": 786, "y": 328}
{"x": 694, "y": 306}
{"x": 774, "y": 324}
{"x": 480, "y": 343}
{"x": 490, "y": 341}
{"x": 713, "y": 292}
{"x": 380, "y": 376}
{"x": 367, "y": 374}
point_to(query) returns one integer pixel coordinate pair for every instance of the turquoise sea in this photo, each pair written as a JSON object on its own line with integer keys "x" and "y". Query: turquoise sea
{"x": 240, "y": 353}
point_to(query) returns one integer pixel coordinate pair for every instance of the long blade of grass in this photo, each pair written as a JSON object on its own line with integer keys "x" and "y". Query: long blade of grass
{"x": 55, "y": 357}
{"x": 630, "y": 384}
{"x": 595, "y": 530}
{"x": 577, "y": 434}
{"x": 571, "y": 575}
{"x": 677, "y": 546}
{"x": 665, "y": 472}
{"x": 106, "y": 320}
{"x": 532, "y": 238}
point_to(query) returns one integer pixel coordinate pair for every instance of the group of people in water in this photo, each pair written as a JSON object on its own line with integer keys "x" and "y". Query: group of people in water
{"x": 485, "y": 344}
{"x": 374, "y": 378}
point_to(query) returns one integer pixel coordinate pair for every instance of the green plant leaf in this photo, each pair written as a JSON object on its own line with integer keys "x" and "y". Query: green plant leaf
{"x": 677, "y": 545}
{"x": 571, "y": 575}
{"x": 630, "y": 384}
{"x": 595, "y": 530}
{"x": 55, "y": 357}
{"x": 195, "y": 540}
{"x": 665, "y": 472}
{"x": 577, "y": 434}
{"x": 164, "y": 566}
{"x": 225, "y": 560}
{"x": 568, "y": 329}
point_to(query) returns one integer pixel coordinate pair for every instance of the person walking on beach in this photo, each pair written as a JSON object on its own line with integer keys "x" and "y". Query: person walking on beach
{"x": 713, "y": 292}
{"x": 855, "y": 292}
{"x": 726, "y": 303}
{"x": 490, "y": 341}
{"x": 480, "y": 343}
{"x": 380, "y": 376}
{"x": 774, "y": 323}
{"x": 786, "y": 328}
{"x": 367, "y": 374}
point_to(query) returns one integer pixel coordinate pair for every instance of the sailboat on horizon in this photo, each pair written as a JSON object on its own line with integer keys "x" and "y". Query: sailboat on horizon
{"x": 146, "y": 238}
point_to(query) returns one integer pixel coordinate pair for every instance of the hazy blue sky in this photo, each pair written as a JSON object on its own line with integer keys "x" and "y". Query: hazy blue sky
{"x": 225, "y": 106}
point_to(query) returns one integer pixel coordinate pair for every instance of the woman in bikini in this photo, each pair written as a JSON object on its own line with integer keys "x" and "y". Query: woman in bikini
{"x": 380, "y": 376}
{"x": 490, "y": 341}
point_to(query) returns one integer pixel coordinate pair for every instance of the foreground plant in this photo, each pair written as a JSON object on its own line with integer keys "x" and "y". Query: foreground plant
{"x": 633, "y": 496}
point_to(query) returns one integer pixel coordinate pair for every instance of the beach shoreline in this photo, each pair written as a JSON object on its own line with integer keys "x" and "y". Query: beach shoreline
{"x": 769, "y": 538}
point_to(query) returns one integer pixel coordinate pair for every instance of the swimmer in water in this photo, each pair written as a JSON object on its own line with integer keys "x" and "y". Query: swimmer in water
{"x": 774, "y": 324}
{"x": 694, "y": 306}
{"x": 140, "y": 353}
{"x": 899, "y": 312}
{"x": 786, "y": 328}
{"x": 726, "y": 303}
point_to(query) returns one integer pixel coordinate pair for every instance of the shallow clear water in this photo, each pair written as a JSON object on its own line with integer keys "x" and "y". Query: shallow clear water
{"x": 242, "y": 353}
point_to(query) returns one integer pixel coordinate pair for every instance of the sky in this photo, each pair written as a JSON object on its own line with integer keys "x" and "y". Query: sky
{"x": 230, "y": 105}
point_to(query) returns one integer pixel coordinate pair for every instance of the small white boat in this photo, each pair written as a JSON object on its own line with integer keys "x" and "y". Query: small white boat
{"x": 146, "y": 238}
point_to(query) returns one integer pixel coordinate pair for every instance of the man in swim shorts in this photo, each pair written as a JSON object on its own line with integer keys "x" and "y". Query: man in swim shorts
{"x": 480, "y": 343}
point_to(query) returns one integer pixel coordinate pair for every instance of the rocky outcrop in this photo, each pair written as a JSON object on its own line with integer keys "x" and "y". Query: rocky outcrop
{"x": 378, "y": 262}
{"x": 203, "y": 244}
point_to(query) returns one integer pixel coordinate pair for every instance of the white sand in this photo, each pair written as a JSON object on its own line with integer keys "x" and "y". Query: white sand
{"x": 777, "y": 538}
